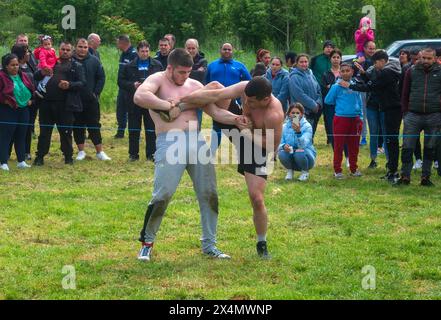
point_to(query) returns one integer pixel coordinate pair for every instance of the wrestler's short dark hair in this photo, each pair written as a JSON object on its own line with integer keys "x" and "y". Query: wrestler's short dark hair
{"x": 180, "y": 58}
{"x": 259, "y": 87}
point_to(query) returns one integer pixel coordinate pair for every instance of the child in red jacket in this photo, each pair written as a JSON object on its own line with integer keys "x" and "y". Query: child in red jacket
{"x": 47, "y": 59}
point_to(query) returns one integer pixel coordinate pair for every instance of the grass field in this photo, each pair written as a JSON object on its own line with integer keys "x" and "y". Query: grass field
{"x": 322, "y": 233}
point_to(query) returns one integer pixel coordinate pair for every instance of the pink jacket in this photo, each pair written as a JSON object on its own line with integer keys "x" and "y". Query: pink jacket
{"x": 47, "y": 57}
{"x": 360, "y": 37}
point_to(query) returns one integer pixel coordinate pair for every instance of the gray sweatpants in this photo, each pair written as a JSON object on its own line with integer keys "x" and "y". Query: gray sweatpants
{"x": 172, "y": 158}
{"x": 414, "y": 123}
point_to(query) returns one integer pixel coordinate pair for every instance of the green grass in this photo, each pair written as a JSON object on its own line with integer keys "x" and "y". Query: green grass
{"x": 322, "y": 233}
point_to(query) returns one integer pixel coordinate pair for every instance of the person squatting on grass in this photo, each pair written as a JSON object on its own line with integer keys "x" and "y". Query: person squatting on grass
{"x": 157, "y": 94}
{"x": 296, "y": 150}
{"x": 347, "y": 122}
{"x": 16, "y": 91}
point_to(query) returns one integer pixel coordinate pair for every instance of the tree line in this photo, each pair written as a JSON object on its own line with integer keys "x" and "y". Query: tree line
{"x": 251, "y": 24}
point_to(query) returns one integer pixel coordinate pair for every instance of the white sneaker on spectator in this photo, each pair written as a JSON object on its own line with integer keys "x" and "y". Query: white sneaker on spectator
{"x": 103, "y": 156}
{"x": 436, "y": 165}
{"x": 81, "y": 156}
{"x": 339, "y": 176}
{"x": 356, "y": 174}
{"x": 348, "y": 165}
{"x": 289, "y": 175}
{"x": 304, "y": 176}
{"x": 418, "y": 164}
{"x": 4, "y": 167}
{"x": 23, "y": 165}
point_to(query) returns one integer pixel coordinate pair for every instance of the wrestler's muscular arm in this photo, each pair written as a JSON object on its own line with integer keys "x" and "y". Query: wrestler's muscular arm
{"x": 207, "y": 96}
{"x": 145, "y": 95}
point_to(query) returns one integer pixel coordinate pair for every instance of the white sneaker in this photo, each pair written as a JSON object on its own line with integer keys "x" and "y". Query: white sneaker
{"x": 418, "y": 165}
{"x": 81, "y": 156}
{"x": 436, "y": 165}
{"x": 289, "y": 175}
{"x": 348, "y": 165}
{"x": 23, "y": 165}
{"x": 103, "y": 156}
{"x": 356, "y": 174}
{"x": 304, "y": 176}
{"x": 339, "y": 176}
{"x": 4, "y": 167}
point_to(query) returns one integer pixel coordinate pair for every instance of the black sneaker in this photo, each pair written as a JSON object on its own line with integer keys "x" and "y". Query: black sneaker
{"x": 425, "y": 182}
{"x": 133, "y": 158}
{"x": 262, "y": 250}
{"x": 373, "y": 165}
{"x": 68, "y": 161}
{"x": 119, "y": 135}
{"x": 391, "y": 177}
{"x": 38, "y": 162}
{"x": 151, "y": 158}
{"x": 403, "y": 181}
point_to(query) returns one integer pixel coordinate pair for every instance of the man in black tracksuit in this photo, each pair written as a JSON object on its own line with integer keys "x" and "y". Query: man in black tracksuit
{"x": 127, "y": 56}
{"x": 68, "y": 79}
{"x": 130, "y": 78}
{"x": 421, "y": 104}
{"x": 90, "y": 116}
{"x": 386, "y": 88}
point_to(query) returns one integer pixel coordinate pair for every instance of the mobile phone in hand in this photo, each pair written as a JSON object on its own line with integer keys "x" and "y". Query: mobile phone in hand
{"x": 296, "y": 120}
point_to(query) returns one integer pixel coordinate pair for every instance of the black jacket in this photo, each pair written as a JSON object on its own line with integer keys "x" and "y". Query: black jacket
{"x": 95, "y": 77}
{"x": 385, "y": 85}
{"x": 328, "y": 79}
{"x": 162, "y": 59}
{"x": 199, "y": 62}
{"x": 130, "y": 74}
{"x": 73, "y": 73}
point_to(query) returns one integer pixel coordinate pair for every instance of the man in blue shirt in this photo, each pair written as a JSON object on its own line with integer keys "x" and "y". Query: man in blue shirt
{"x": 128, "y": 55}
{"x": 228, "y": 72}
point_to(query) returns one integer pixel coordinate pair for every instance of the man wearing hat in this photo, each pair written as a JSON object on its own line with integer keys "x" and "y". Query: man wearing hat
{"x": 321, "y": 64}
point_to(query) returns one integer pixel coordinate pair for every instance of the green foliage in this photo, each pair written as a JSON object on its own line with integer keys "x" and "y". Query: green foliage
{"x": 115, "y": 26}
{"x": 276, "y": 24}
